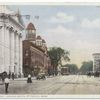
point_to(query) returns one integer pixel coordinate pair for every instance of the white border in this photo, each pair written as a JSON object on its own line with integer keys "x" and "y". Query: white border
{"x": 38, "y": 1}
{"x": 51, "y": 2}
{"x": 51, "y": 96}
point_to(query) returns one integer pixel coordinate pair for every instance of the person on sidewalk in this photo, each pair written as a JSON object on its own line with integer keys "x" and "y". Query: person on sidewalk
{"x": 29, "y": 80}
{"x": 13, "y": 76}
{"x": 6, "y": 84}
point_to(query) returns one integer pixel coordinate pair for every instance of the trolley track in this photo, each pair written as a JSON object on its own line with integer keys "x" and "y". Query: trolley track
{"x": 72, "y": 81}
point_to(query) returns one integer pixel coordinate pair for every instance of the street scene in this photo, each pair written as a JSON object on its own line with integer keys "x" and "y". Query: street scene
{"x": 49, "y": 49}
{"x": 58, "y": 85}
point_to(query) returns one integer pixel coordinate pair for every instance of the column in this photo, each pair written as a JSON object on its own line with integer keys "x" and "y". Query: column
{"x": 1, "y": 50}
{"x": 13, "y": 47}
{"x": 6, "y": 50}
{"x": 3, "y": 66}
{"x": 12, "y": 50}
{"x": 20, "y": 56}
{"x": 17, "y": 54}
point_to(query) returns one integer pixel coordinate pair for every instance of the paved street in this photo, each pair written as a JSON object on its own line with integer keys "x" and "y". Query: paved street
{"x": 72, "y": 84}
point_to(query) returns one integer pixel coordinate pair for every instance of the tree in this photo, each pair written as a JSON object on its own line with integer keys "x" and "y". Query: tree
{"x": 57, "y": 55}
{"x": 73, "y": 69}
{"x": 86, "y": 66}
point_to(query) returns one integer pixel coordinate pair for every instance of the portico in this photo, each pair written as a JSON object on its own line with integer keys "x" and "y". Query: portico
{"x": 10, "y": 42}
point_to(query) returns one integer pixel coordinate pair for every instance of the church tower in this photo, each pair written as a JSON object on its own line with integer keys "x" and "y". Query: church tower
{"x": 31, "y": 32}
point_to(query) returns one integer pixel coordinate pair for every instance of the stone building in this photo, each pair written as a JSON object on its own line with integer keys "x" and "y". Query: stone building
{"x": 96, "y": 62}
{"x": 35, "y": 57}
{"x": 11, "y": 28}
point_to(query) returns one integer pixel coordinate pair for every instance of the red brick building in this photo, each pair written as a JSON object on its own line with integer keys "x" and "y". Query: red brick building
{"x": 35, "y": 57}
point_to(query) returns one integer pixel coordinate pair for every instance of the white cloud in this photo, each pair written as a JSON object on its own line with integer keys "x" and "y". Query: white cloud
{"x": 86, "y": 23}
{"x": 70, "y": 38}
{"x": 59, "y": 30}
{"x": 61, "y": 18}
{"x": 59, "y": 36}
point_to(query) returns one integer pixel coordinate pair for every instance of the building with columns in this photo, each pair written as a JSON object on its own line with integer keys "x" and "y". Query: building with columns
{"x": 35, "y": 57}
{"x": 11, "y": 27}
{"x": 96, "y": 62}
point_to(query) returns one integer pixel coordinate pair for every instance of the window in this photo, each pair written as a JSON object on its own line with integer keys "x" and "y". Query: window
{"x": 26, "y": 62}
{"x": 26, "y": 53}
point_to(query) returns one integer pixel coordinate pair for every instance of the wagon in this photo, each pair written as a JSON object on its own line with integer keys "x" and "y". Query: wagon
{"x": 41, "y": 76}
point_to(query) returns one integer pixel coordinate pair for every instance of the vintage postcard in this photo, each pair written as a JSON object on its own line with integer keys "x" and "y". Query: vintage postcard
{"x": 50, "y": 50}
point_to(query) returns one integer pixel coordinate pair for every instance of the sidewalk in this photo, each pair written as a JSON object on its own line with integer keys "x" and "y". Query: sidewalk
{"x": 23, "y": 79}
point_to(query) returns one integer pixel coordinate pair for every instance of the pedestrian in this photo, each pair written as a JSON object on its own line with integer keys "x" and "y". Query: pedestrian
{"x": 6, "y": 84}
{"x": 9, "y": 75}
{"x": 29, "y": 80}
{"x": 13, "y": 76}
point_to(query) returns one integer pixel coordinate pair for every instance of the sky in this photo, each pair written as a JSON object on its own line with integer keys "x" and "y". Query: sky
{"x": 72, "y": 27}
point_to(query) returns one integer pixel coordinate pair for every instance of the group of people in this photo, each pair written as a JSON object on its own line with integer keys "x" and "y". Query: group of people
{"x": 6, "y": 80}
{"x": 95, "y": 74}
{"x": 11, "y": 76}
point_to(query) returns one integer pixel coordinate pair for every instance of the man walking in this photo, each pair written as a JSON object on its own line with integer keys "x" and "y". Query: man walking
{"x": 13, "y": 76}
{"x": 6, "y": 84}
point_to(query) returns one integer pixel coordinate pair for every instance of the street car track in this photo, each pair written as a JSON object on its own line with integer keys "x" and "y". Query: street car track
{"x": 64, "y": 84}
{"x": 48, "y": 87}
{"x": 51, "y": 87}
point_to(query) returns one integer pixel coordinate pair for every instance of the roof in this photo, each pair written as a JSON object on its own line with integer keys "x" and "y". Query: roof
{"x": 39, "y": 37}
{"x": 19, "y": 18}
{"x": 6, "y": 11}
{"x": 35, "y": 46}
{"x": 43, "y": 41}
{"x": 96, "y": 53}
{"x": 30, "y": 26}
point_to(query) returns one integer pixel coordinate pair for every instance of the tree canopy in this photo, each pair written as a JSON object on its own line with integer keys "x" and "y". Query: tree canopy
{"x": 86, "y": 66}
{"x": 57, "y": 55}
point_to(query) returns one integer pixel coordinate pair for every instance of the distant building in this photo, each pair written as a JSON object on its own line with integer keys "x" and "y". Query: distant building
{"x": 10, "y": 41}
{"x": 96, "y": 62}
{"x": 35, "y": 57}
